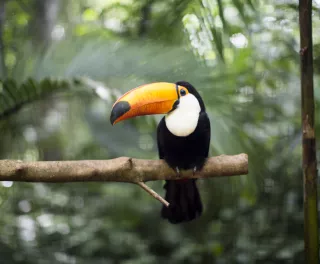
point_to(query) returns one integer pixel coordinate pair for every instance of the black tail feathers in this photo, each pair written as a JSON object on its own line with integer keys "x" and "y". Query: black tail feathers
{"x": 184, "y": 199}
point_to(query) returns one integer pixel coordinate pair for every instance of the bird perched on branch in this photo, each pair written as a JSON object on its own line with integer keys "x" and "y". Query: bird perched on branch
{"x": 183, "y": 137}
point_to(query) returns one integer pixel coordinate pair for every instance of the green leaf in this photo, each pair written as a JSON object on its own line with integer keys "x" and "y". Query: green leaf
{"x": 14, "y": 96}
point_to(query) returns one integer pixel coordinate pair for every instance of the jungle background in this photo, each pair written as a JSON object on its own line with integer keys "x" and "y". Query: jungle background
{"x": 62, "y": 65}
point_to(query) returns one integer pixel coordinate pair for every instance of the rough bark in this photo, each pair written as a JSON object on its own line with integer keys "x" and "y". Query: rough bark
{"x": 309, "y": 163}
{"x": 122, "y": 169}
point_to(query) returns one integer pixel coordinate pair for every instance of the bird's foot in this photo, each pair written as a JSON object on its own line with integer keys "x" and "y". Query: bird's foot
{"x": 194, "y": 171}
{"x": 178, "y": 171}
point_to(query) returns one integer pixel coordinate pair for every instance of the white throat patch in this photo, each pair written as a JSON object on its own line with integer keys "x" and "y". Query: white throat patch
{"x": 183, "y": 120}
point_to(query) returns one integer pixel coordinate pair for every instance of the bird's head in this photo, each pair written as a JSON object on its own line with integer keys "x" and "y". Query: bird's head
{"x": 156, "y": 98}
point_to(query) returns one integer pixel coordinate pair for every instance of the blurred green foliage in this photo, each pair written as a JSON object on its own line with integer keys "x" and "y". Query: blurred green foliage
{"x": 63, "y": 65}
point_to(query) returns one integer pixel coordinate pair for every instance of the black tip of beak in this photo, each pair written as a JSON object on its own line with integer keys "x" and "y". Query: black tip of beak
{"x": 118, "y": 110}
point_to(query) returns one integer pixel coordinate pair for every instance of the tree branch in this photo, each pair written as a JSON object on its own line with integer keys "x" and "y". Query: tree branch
{"x": 153, "y": 193}
{"x": 122, "y": 169}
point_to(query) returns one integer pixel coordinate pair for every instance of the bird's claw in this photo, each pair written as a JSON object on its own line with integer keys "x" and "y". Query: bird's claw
{"x": 194, "y": 171}
{"x": 178, "y": 171}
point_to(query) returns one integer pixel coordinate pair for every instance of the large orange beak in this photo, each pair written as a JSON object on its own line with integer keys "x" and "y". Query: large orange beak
{"x": 153, "y": 98}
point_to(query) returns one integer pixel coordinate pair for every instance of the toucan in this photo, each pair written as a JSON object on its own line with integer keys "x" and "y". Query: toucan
{"x": 183, "y": 137}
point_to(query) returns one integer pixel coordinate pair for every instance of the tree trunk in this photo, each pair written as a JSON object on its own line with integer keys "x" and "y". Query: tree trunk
{"x": 145, "y": 18}
{"x": 309, "y": 164}
{"x": 45, "y": 16}
{"x": 2, "y": 53}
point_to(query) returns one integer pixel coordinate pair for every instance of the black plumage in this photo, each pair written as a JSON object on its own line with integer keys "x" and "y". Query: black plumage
{"x": 189, "y": 152}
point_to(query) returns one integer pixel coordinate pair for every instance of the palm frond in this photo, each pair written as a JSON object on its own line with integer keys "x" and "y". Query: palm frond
{"x": 14, "y": 96}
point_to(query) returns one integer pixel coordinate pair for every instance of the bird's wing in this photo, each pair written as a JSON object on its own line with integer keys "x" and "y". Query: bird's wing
{"x": 160, "y": 147}
{"x": 204, "y": 120}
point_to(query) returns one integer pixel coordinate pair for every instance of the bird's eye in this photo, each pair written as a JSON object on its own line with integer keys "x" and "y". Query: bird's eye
{"x": 183, "y": 92}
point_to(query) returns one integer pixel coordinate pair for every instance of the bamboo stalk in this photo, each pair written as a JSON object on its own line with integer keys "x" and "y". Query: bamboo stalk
{"x": 309, "y": 163}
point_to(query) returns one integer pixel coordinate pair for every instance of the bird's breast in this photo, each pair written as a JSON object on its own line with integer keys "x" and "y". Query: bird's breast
{"x": 182, "y": 124}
